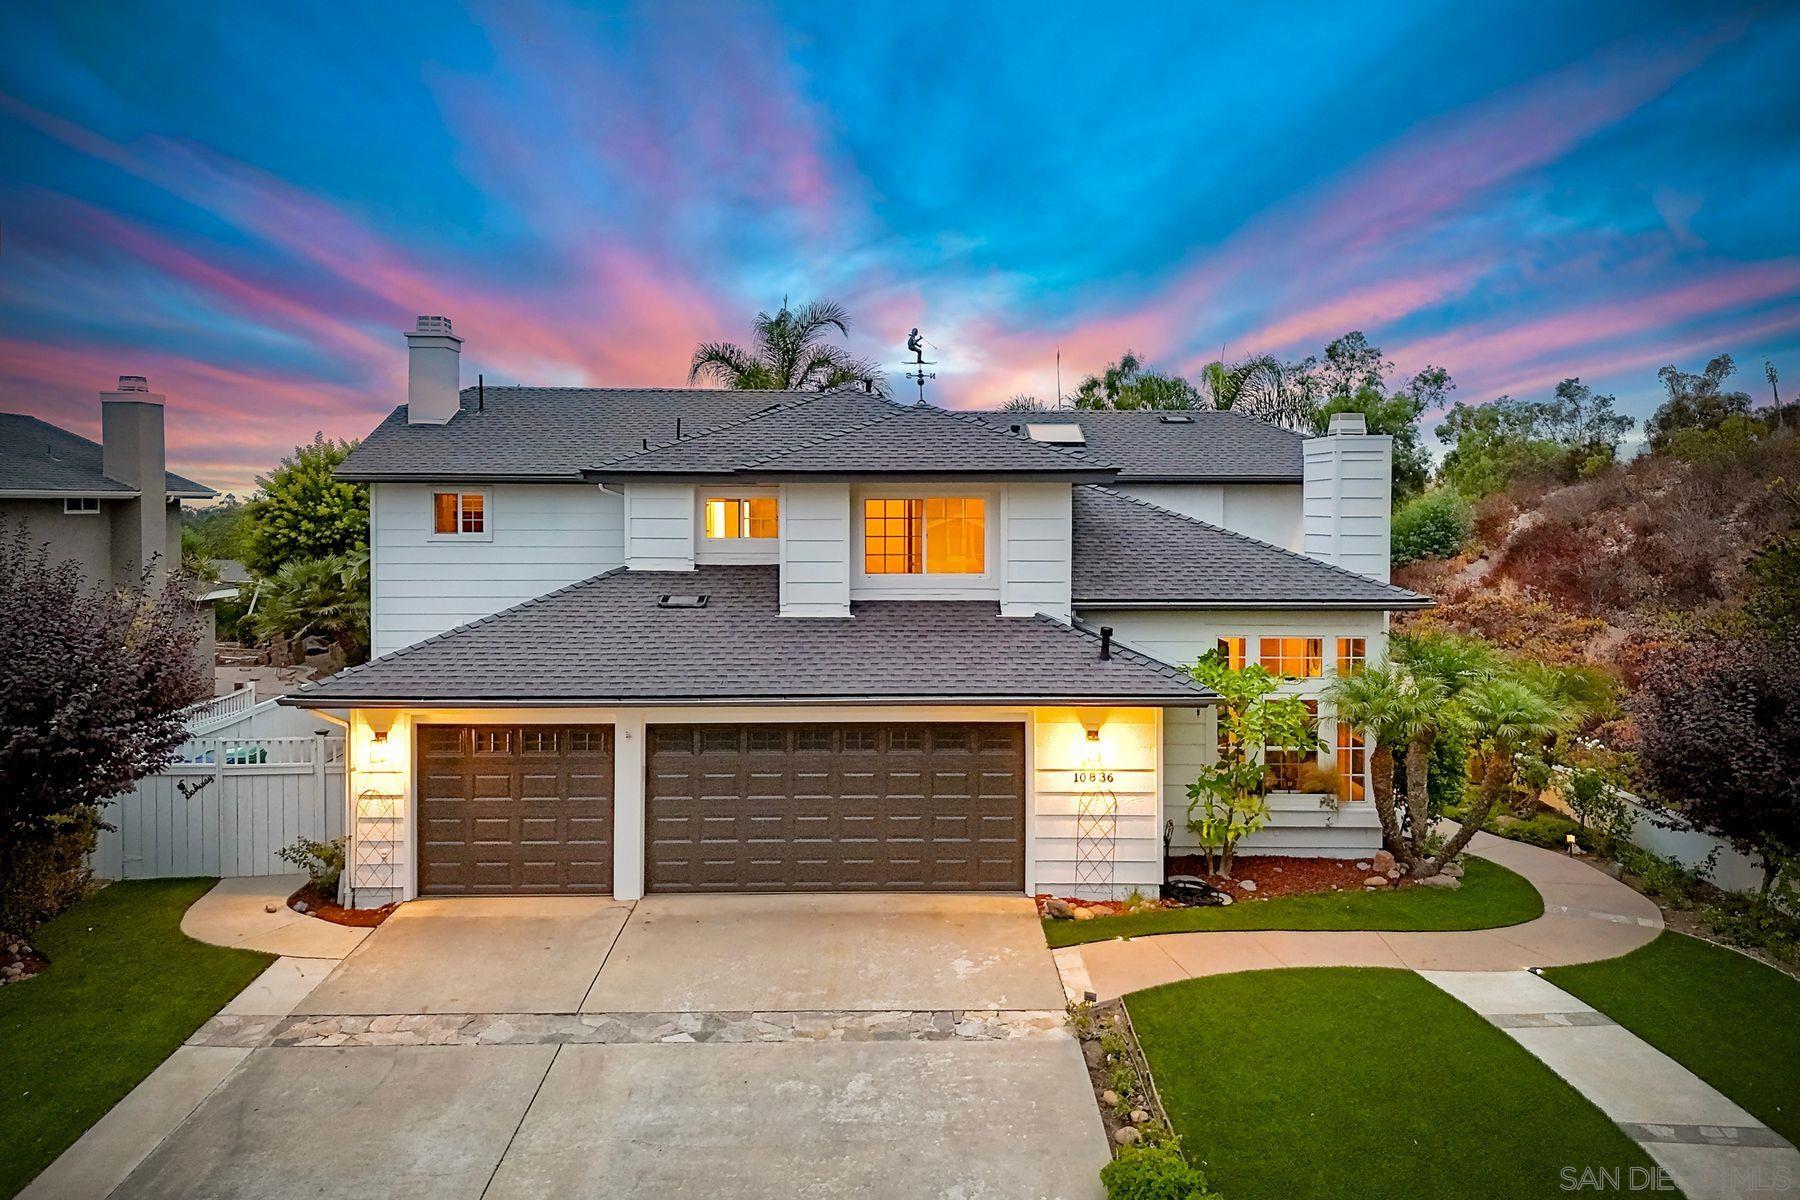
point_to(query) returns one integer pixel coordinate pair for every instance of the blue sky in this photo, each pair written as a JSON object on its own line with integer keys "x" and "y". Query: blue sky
{"x": 249, "y": 203}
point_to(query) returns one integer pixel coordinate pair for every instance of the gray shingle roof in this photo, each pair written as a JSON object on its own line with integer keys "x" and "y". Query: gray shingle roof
{"x": 531, "y": 433}
{"x": 1129, "y": 552}
{"x": 1217, "y": 446}
{"x": 605, "y": 640}
{"x": 722, "y": 449}
{"x": 36, "y": 456}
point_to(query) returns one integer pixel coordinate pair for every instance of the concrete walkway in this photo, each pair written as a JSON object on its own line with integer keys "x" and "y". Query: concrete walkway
{"x": 1588, "y": 915}
{"x": 1710, "y": 1147}
{"x": 236, "y": 913}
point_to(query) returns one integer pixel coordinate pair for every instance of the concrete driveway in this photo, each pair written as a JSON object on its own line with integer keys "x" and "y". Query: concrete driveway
{"x": 730, "y": 1046}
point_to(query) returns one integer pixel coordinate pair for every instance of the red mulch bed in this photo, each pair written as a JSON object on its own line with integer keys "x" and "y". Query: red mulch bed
{"x": 319, "y": 905}
{"x": 1273, "y": 876}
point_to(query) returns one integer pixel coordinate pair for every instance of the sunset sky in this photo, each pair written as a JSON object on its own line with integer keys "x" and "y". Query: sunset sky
{"x": 249, "y": 203}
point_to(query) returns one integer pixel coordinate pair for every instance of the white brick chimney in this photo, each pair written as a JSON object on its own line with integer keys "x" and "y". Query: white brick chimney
{"x": 1349, "y": 487}
{"x": 433, "y": 372}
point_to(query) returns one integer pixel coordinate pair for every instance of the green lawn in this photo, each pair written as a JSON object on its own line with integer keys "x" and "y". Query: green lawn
{"x": 1490, "y": 896}
{"x": 1362, "y": 1082}
{"x": 1725, "y": 1017}
{"x": 123, "y": 990}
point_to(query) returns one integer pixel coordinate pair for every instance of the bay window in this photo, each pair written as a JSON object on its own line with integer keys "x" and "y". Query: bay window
{"x": 925, "y": 535}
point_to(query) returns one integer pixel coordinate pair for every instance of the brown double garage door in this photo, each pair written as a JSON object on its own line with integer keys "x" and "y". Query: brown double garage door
{"x": 728, "y": 808}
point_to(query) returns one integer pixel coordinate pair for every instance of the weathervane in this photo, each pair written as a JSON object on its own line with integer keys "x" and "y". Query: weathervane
{"x": 916, "y": 368}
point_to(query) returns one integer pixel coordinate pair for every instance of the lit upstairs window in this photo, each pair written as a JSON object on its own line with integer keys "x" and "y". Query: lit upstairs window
{"x": 1234, "y": 651}
{"x": 459, "y": 514}
{"x": 1352, "y": 654}
{"x": 730, "y": 517}
{"x": 1294, "y": 657}
{"x": 931, "y": 535}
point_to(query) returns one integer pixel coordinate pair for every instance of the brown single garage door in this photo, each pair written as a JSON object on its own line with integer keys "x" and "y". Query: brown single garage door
{"x": 828, "y": 808}
{"x": 515, "y": 809}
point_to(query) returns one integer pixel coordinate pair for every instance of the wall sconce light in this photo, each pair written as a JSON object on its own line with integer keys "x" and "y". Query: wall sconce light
{"x": 1093, "y": 735}
{"x": 380, "y": 754}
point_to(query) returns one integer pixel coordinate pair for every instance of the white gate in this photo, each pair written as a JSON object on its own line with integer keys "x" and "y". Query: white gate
{"x": 226, "y": 808}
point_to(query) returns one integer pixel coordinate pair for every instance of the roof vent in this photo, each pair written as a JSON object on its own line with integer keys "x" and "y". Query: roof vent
{"x": 133, "y": 383}
{"x": 690, "y": 600}
{"x": 1069, "y": 434}
{"x": 1175, "y": 418}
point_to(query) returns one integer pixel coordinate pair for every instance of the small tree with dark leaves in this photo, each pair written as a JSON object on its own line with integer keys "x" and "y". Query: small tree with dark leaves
{"x": 95, "y": 681}
{"x": 1719, "y": 741}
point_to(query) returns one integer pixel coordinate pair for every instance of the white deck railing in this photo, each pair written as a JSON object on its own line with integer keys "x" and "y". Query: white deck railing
{"x": 220, "y": 710}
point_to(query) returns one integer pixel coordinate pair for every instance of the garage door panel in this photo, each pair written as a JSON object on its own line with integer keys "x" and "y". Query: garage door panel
{"x": 515, "y": 809}
{"x": 827, "y": 808}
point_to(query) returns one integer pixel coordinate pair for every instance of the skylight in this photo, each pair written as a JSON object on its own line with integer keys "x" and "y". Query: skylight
{"x": 1069, "y": 434}
{"x": 1175, "y": 418}
{"x": 681, "y": 601}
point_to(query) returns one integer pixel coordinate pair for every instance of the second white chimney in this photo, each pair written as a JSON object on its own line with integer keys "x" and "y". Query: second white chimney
{"x": 1348, "y": 496}
{"x": 433, "y": 372}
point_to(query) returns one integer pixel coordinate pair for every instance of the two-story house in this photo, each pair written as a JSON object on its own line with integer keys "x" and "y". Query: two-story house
{"x": 111, "y": 506}
{"x": 637, "y": 640}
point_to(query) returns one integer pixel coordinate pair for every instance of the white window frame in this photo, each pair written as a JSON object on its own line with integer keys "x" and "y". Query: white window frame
{"x": 83, "y": 506}
{"x": 738, "y": 549}
{"x": 487, "y": 513}
{"x": 924, "y": 583}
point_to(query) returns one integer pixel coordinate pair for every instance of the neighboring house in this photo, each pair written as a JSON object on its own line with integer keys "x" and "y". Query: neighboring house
{"x": 694, "y": 640}
{"x": 112, "y": 506}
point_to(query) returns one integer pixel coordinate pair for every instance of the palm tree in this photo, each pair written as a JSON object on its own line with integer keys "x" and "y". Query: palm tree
{"x": 790, "y": 355}
{"x": 1401, "y": 708}
{"x": 1508, "y": 716}
{"x": 323, "y": 598}
{"x": 1262, "y": 386}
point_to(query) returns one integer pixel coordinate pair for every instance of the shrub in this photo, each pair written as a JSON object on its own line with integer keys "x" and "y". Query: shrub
{"x": 45, "y": 870}
{"x": 323, "y": 862}
{"x": 1549, "y": 830}
{"x": 1154, "y": 1173}
{"x": 1433, "y": 525}
{"x": 1757, "y": 921}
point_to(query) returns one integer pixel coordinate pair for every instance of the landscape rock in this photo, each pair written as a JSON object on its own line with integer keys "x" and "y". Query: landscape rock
{"x": 1249, "y": 885}
{"x": 1395, "y": 873}
{"x": 1384, "y": 861}
{"x": 1084, "y": 914}
{"x": 1453, "y": 870}
{"x": 1062, "y": 910}
{"x": 1442, "y": 881}
{"x": 1109, "y": 1098}
{"x": 1376, "y": 881}
{"x": 1139, "y": 1116}
{"x": 300, "y": 906}
{"x": 269, "y": 908}
{"x": 1128, "y": 1135}
{"x": 1363, "y": 866}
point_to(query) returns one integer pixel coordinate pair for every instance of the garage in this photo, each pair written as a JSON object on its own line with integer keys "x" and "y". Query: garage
{"x": 515, "y": 809}
{"x": 836, "y": 807}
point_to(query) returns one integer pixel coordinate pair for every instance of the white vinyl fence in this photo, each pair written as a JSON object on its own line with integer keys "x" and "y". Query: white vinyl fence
{"x": 230, "y": 803}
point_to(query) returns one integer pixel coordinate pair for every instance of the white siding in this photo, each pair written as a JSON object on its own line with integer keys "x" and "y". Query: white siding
{"x": 544, "y": 536}
{"x": 1268, "y": 512}
{"x": 1349, "y": 501}
{"x": 815, "y": 550}
{"x": 1128, "y": 759}
{"x": 985, "y": 586}
{"x": 735, "y": 550}
{"x": 659, "y": 527}
{"x": 1300, "y": 824}
{"x": 1036, "y": 576}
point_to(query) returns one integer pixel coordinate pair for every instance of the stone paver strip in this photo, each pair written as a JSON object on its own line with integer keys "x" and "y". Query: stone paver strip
{"x": 530, "y": 1029}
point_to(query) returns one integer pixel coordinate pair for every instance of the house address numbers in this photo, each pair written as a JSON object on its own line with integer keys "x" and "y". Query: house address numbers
{"x": 1091, "y": 777}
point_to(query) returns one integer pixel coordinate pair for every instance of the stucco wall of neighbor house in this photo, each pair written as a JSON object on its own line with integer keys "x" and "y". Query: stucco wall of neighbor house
{"x": 1059, "y": 760}
{"x": 83, "y": 537}
{"x": 1301, "y": 825}
{"x": 1268, "y": 512}
{"x": 542, "y": 537}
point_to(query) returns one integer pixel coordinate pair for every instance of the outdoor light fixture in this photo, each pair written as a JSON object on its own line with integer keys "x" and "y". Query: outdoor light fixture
{"x": 1569, "y": 840}
{"x": 1093, "y": 735}
{"x": 379, "y": 755}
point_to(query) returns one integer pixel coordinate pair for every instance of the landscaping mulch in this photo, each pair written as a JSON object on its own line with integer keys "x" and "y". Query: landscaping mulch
{"x": 321, "y": 905}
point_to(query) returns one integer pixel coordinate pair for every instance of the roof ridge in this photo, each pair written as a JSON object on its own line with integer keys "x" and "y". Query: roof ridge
{"x": 578, "y": 387}
{"x": 1244, "y": 537}
{"x": 1025, "y": 415}
{"x": 796, "y": 447}
{"x": 811, "y": 397}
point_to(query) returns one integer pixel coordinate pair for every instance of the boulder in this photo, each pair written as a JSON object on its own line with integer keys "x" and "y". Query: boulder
{"x": 1453, "y": 870}
{"x": 1140, "y": 1116}
{"x": 1109, "y": 1098}
{"x": 1084, "y": 914}
{"x": 1384, "y": 862}
{"x": 1062, "y": 910}
{"x": 1442, "y": 881}
{"x": 1128, "y": 1135}
{"x": 1363, "y": 866}
{"x": 1376, "y": 881}
{"x": 1249, "y": 885}
{"x": 1395, "y": 873}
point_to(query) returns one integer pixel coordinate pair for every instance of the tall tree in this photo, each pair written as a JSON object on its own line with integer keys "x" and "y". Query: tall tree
{"x": 791, "y": 354}
{"x": 1352, "y": 364}
{"x": 1695, "y": 402}
{"x": 1719, "y": 740}
{"x": 1264, "y": 387}
{"x": 1589, "y": 425}
{"x": 302, "y": 512}
{"x": 1131, "y": 383}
